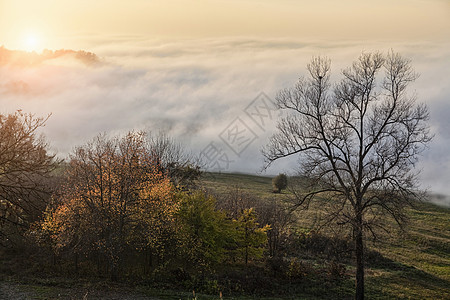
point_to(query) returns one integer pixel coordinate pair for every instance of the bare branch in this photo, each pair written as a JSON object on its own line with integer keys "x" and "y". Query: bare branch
{"x": 358, "y": 142}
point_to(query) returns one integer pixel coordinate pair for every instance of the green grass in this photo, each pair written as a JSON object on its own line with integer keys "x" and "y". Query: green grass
{"x": 256, "y": 185}
{"x": 415, "y": 263}
{"x": 260, "y": 186}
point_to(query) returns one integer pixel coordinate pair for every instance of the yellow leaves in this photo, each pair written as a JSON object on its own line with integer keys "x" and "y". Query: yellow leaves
{"x": 115, "y": 195}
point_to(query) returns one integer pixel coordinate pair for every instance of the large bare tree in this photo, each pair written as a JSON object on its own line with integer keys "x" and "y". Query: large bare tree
{"x": 358, "y": 141}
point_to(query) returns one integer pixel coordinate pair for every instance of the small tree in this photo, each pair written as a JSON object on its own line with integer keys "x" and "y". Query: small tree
{"x": 235, "y": 201}
{"x": 280, "y": 182}
{"x": 358, "y": 142}
{"x": 277, "y": 215}
{"x": 204, "y": 231}
{"x": 251, "y": 238}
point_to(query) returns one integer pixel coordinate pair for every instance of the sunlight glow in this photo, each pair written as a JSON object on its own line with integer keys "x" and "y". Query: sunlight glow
{"x": 31, "y": 42}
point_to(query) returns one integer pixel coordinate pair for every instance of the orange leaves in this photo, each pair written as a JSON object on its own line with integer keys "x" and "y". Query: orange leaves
{"x": 115, "y": 196}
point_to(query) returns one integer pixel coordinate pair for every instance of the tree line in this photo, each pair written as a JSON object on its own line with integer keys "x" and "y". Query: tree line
{"x": 123, "y": 205}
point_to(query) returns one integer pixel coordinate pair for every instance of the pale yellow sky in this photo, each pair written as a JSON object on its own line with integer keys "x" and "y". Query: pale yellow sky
{"x": 64, "y": 23}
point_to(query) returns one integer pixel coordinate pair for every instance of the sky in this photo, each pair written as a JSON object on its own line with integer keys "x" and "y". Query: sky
{"x": 198, "y": 68}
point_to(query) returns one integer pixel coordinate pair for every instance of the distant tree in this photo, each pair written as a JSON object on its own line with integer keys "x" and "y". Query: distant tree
{"x": 280, "y": 182}
{"x": 358, "y": 142}
{"x": 25, "y": 167}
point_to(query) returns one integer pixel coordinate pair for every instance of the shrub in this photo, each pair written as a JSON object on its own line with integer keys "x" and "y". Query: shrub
{"x": 336, "y": 270}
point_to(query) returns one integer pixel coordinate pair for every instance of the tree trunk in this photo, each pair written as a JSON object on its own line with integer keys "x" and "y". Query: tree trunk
{"x": 76, "y": 263}
{"x": 359, "y": 247}
{"x": 246, "y": 245}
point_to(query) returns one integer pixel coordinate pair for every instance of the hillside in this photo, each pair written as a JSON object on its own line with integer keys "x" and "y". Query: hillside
{"x": 414, "y": 263}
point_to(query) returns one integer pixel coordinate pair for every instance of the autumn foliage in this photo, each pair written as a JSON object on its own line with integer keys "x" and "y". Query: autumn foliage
{"x": 25, "y": 167}
{"x": 114, "y": 201}
{"x": 119, "y": 212}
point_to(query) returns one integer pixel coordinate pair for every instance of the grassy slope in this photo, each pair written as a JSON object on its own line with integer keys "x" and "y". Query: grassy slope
{"x": 257, "y": 185}
{"x": 414, "y": 264}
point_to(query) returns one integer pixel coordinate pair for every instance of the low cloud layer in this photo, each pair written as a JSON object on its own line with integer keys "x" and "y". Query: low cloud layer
{"x": 196, "y": 89}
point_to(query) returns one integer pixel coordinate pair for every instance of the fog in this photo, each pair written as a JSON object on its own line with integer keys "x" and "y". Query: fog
{"x": 198, "y": 89}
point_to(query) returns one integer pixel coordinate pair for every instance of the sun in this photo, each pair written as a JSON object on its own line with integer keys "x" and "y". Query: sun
{"x": 31, "y": 42}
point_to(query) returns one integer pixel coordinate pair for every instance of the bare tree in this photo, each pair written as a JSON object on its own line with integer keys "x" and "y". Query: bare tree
{"x": 358, "y": 142}
{"x": 182, "y": 168}
{"x": 24, "y": 167}
{"x": 235, "y": 201}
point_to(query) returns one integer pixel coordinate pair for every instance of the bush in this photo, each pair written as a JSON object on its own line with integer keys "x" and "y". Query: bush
{"x": 298, "y": 270}
{"x": 336, "y": 270}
